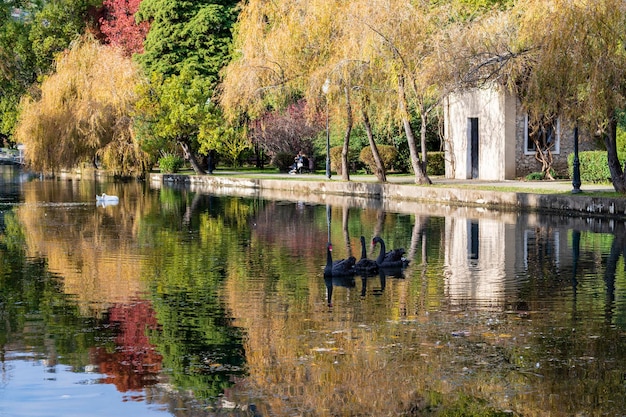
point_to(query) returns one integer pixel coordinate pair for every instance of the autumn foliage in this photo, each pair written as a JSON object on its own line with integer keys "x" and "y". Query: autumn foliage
{"x": 83, "y": 113}
{"x": 120, "y": 28}
{"x": 288, "y": 131}
{"x": 135, "y": 363}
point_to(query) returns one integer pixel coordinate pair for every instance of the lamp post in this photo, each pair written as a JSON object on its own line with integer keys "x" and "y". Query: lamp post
{"x": 576, "y": 175}
{"x": 325, "y": 88}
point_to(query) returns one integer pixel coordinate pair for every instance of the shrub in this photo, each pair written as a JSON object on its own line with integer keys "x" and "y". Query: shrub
{"x": 388, "y": 154}
{"x": 170, "y": 164}
{"x": 534, "y": 176}
{"x": 594, "y": 166}
{"x": 283, "y": 161}
{"x": 539, "y": 176}
{"x": 436, "y": 163}
{"x": 335, "y": 159}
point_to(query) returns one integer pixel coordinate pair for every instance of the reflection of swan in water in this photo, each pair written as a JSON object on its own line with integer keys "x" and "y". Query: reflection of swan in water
{"x": 365, "y": 266}
{"x": 341, "y": 267}
{"x": 338, "y": 273}
{"x": 377, "y": 291}
{"x": 107, "y": 198}
{"x": 346, "y": 281}
{"x": 392, "y": 259}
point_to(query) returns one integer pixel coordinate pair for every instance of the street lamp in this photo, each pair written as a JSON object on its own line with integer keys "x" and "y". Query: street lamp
{"x": 325, "y": 88}
{"x": 576, "y": 175}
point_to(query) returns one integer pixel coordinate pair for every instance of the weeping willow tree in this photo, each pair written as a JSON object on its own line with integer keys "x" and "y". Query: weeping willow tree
{"x": 577, "y": 67}
{"x": 375, "y": 60}
{"x": 561, "y": 58}
{"x": 82, "y": 113}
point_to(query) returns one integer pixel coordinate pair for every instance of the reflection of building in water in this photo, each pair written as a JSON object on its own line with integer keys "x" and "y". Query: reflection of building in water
{"x": 483, "y": 255}
{"x": 475, "y": 261}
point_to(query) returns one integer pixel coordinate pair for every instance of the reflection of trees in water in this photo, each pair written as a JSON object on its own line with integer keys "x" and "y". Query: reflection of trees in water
{"x": 201, "y": 348}
{"x": 36, "y": 315}
{"x": 173, "y": 239}
{"x": 93, "y": 249}
{"x": 618, "y": 250}
{"x": 300, "y": 229}
{"x": 134, "y": 363}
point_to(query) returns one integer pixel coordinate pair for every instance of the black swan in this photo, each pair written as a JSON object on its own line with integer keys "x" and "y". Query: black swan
{"x": 392, "y": 259}
{"x": 365, "y": 266}
{"x": 341, "y": 267}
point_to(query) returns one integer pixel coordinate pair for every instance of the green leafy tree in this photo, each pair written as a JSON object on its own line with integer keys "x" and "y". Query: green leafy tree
{"x": 226, "y": 138}
{"x": 17, "y": 60}
{"x": 184, "y": 51}
{"x": 58, "y": 24}
{"x": 187, "y": 34}
{"x": 171, "y": 111}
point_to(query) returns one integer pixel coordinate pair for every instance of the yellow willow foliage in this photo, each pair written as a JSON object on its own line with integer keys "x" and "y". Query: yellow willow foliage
{"x": 578, "y": 61}
{"x": 84, "y": 110}
{"x": 277, "y": 46}
{"x": 292, "y": 46}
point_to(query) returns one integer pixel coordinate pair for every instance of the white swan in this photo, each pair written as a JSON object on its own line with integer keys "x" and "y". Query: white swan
{"x": 107, "y": 198}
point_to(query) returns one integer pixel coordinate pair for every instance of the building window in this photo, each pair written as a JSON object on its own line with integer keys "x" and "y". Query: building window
{"x": 547, "y": 135}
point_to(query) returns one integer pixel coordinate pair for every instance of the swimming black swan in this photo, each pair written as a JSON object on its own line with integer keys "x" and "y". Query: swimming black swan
{"x": 365, "y": 266}
{"x": 392, "y": 259}
{"x": 338, "y": 268}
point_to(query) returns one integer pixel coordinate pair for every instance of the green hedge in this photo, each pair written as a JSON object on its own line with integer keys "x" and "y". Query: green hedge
{"x": 594, "y": 166}
{"x": 436, "y": 163}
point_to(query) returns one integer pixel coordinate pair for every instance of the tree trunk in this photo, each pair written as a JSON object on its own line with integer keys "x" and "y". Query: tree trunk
{"x": 380, "y": 167}
{"x": 189, "y": 156}
{"x": 420, "y": 173}
{"x": 610, "y": 141}
{"x": 258, "y": 153}
{"x": 345, "y": 171}
{"x": 424, "y": 120}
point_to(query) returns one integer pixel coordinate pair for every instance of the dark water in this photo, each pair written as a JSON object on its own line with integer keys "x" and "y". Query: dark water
{"x": 176, "y": 302}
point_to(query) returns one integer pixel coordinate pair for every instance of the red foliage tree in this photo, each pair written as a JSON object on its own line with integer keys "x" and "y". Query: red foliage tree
{"x": 288, "y": 131}
{"x": 119, "y": 26}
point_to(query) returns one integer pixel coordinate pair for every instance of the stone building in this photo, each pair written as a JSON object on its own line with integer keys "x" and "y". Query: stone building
{"x": 487, "y": 137}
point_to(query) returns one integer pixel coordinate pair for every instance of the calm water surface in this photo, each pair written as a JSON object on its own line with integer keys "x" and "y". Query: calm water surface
{"x": 184, "y": 303}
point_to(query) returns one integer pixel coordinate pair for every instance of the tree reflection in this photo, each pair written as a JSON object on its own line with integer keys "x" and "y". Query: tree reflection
{"x": 618, "y": 249}
{"x": 134, "y": 363}
{"x": 36, "y": 315}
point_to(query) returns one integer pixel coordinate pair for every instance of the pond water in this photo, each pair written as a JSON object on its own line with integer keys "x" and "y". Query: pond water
{"x": 180, "y": 302}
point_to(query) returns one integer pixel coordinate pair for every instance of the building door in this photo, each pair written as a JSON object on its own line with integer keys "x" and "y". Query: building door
{"x": 472, "y": 127}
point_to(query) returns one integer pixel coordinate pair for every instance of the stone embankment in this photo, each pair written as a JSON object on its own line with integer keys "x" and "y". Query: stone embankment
{"x": 554, "y": 198}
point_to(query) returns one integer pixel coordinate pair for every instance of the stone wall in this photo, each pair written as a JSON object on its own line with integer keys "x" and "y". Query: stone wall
{"x": 526, "y": 164}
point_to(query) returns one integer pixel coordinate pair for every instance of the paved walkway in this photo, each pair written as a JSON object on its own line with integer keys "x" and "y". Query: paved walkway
{"x": 538, "y": 187}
